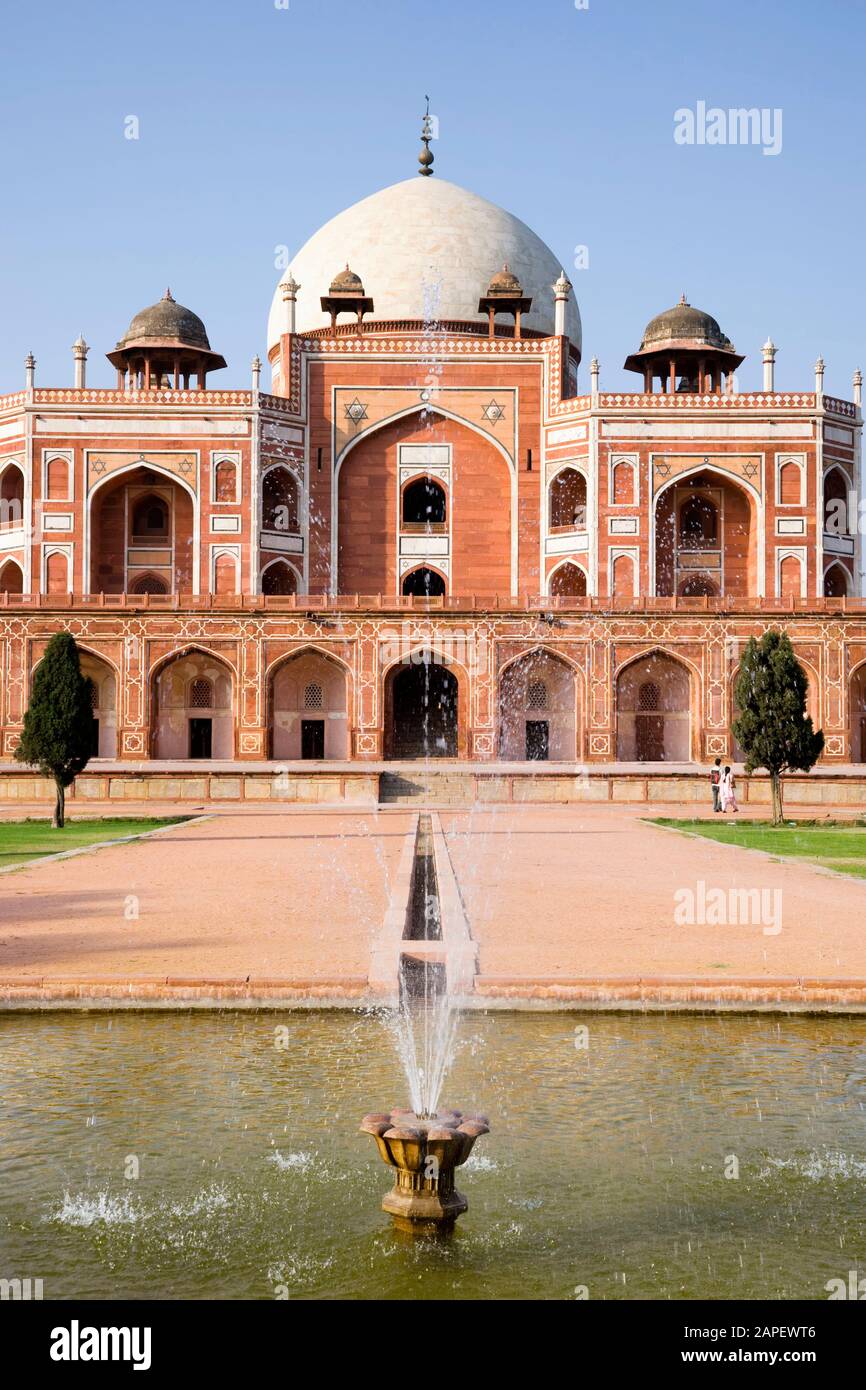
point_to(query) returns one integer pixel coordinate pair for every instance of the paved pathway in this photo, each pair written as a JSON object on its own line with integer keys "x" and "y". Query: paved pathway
{"x": 589, "y": 891}
{"x": 272, "y": 895}
{"x": 551, "y": 893}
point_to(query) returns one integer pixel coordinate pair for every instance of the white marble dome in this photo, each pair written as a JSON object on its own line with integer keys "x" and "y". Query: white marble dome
{"x": 424, "y": 249}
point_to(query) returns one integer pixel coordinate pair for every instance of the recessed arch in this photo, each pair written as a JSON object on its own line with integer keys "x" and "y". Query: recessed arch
{"x": 539, "y": 701}
{"x": 737, "y": 553}
{"x": 181, "y": 726}
{"x": 659, "y": 730}
{"x": 367, "y": 537}
{"x": 225, "y": 572}
{"x": 425, "y": 699}
{"x": 103, "y": 675}
{"x": 12, "y": 493}
{"x": 56, "y": 566}
{"x": 857, "y": 713}
{"x": 423, "y": 504}
{"x": 11, "y": 576}
{"x": 280, "y": 577}
{"x": 428, "y": 411}
{"x": 183, "y": 546}
{"x": 149, "y": 583}
{"x": 566, "y": 500}
{"x": 568, "y": 579}
{"x": 837, "y": 580}
{"x": 281, "y": 499}
{"x": 309, "y": 700}
{"x": 424, "y": 581}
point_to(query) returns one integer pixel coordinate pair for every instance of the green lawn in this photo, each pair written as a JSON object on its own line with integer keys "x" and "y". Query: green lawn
{"x": 839, "y": 845}
{"x": 21, "y": 840}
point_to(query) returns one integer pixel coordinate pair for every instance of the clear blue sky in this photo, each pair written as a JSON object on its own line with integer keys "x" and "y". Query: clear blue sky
{"x": 257, "y": 124}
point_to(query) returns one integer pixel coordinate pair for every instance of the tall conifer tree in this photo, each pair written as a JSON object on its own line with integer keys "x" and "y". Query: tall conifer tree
{"x": 773, "y": 728}
{"x": 58, "y": 725}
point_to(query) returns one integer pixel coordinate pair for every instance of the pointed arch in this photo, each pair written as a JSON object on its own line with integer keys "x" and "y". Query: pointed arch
{"x": 11, "y": 576}
{"x": 109, "y": 479}
{"x": 837, "y": 580}
{"x": 746, "y": 559}
{"x": 310, "y": 700}
{"x": 284, "y": 577}
{"x": 568, "y": 579}
{"x": 281, "y": 499}
{"x": 540, "y": 698}
{"x": 366, "y": 501}
{"x": 659, "y": 729}
{"x": 418, "y": 410}
{"x": 566, "y": 500}
{"x": 428, "y": 676}
{"x": 180, "y": 726}
{"x": 12, "y": 494}
{"x": 424, "y": 579}
{"x": 857, "y": 713}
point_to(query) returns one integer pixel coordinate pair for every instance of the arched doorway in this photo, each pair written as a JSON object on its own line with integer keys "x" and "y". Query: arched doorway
{"x": 705, "y": 537}
{"x": 141, "y": 528}
{"x": 11, "y": 578}
{"x": 538, "y": 710}
{"x": 148, "y": 584}
{"x": 192, "y": 708}
{"x": 278, "y": 578}
{"x": 423, "y": 583}
{"x": 836, "y": 581}
{"x": 568, "y": 581}
{"x": 421, "y": 709}
{"x": 104, "y": 704}
{"x": 309, "y": 708}
{"x": 857, "y": 714}
{"x": 566, "y": 498}
{"x": 280, "y": 501}
{"x": 424, "y": 506}
{"x": 698, "y": 586}
{"x": 653, "y": 711}
{"x": 11, "y": 497}
{"x": 837, "y": 490}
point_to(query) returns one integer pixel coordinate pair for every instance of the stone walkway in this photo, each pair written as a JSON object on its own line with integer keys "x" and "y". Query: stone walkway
{"x": 552, "y": 894}
{"x": 270, "y": 895}
{"x": 589, "y": 892}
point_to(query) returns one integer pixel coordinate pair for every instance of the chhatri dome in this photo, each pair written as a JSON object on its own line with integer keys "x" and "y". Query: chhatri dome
{"x": 425, "y": 250}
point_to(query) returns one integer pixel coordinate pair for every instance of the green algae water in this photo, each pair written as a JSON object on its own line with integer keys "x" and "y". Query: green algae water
{"x": 216, "y": 1155}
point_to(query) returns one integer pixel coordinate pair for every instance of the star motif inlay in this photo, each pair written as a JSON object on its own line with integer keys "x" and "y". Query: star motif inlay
{"x": 356, "y": 411}
{"x": 494, "y": 412}
{"x": 98, "y": 465}
{"x": 662, "y": 470}
{"x": 750, "y": 469}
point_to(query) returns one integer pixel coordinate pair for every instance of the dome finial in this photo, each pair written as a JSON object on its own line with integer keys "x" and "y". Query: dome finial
{"x": 425, "y": 158}
{"x": 683, "y": 299}
{"x": 168, "y": 296}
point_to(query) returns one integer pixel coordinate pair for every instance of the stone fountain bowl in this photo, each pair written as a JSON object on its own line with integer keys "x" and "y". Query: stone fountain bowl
{"x": 424, "y": 1150}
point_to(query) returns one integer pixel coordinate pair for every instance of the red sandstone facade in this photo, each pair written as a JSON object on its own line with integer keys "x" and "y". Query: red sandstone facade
{"x": 425, "y": 542}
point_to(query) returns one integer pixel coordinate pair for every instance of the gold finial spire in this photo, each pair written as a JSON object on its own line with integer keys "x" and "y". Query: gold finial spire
{"x": 425, "y": 158}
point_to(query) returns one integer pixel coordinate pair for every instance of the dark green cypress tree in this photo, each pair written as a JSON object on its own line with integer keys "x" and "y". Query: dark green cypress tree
{"x": 773, "y": 728}
{"x": 58, "y": 725}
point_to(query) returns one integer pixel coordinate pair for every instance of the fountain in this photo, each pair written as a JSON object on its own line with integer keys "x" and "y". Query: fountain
{"x": 425, "y": 1144}
{"x": 425, "y": 1150}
